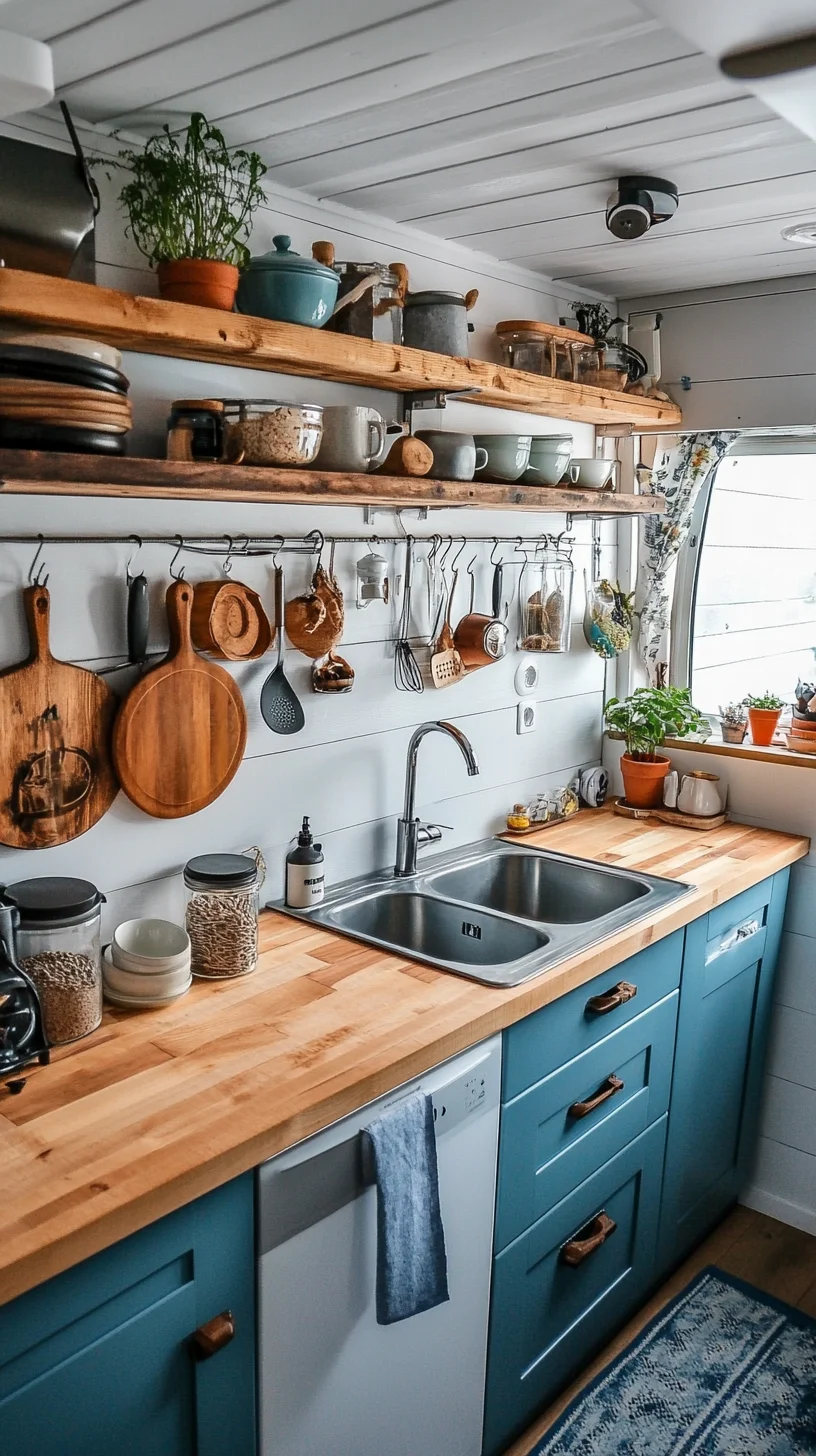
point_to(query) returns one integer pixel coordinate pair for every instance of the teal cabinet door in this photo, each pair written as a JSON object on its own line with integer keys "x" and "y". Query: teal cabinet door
{"x": 98, "y": 1361}
{"x": 726, "y": 996}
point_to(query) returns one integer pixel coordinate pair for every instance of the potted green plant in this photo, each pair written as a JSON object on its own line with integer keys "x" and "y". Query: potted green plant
{"x": 763, "y": 716}
{"x": 190, "y": 203}
{"x": 733, "y": 722}
{"x": 644, "y": 719}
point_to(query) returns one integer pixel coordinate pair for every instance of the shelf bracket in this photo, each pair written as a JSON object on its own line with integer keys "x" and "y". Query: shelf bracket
{"x": 427, "y": 399}
{"x": 369, "y": 512}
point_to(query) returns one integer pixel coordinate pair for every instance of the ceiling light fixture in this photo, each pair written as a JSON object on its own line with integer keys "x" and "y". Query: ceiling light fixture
{"x": 801, "y": 232}
{"x": 26, "y": 73}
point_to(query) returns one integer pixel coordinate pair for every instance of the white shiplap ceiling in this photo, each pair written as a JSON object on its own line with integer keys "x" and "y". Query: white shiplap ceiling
{"x": 502, "y": 126}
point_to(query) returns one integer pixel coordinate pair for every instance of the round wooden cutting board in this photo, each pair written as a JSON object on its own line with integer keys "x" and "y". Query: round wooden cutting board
{"x": 181, "y": 732}
{"x": 56, "y": 773}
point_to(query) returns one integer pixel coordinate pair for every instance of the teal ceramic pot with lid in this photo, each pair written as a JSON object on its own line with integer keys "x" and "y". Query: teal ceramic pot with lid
{"x": 284, "y": 286}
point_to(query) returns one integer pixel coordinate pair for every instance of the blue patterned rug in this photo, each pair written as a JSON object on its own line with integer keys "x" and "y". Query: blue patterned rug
{"x": 724, "y": 1370}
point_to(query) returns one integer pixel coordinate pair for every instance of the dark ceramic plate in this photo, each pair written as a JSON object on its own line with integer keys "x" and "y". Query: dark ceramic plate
{"x": 22, "y": 361}
{"x": 27, "y": 435}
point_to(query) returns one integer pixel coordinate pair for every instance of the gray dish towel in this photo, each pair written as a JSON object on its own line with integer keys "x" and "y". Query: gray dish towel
{"x": 412, "y": 1265}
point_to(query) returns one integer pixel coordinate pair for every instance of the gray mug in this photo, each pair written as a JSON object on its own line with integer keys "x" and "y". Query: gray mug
{"x": 456, "y": 457}
{"x": 353, "y": 438}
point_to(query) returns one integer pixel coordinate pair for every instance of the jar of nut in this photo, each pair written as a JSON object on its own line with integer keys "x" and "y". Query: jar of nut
{"x": 223, "y": 892}
{"x": 58, "y": 946}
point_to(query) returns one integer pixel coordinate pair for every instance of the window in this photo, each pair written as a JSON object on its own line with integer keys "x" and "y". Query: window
{"x": 745, "y": 601}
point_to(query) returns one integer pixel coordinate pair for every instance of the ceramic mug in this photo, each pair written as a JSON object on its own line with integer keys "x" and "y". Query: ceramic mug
{"x": 507, "y": 456}
{"x": 456, "y": 456}
{"x": 353, "y": 438}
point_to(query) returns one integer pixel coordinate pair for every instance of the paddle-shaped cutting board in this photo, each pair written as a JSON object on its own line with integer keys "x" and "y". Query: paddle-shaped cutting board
{"x": 181, "y": 732}
{"x": 56, "y": 773}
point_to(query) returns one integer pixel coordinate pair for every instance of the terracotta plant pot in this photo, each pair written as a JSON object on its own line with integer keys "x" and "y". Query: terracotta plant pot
{"x": 200, "y": 281}
{"x": 763, "y": 723}
{"x": 643, "y": 780}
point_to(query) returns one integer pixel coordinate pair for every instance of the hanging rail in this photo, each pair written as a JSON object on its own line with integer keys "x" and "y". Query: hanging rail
{"x": 311, "y": 544}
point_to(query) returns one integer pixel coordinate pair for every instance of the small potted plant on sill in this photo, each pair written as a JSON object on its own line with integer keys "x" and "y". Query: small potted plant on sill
{"x": 190, "y": 203}
{"x": 644, "y": 720}
{"x": 763, "y": 716}
{"x": 733, "y": 722}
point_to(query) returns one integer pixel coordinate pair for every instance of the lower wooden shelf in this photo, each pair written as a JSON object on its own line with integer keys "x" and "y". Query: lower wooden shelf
{"x": 33, "y": 472}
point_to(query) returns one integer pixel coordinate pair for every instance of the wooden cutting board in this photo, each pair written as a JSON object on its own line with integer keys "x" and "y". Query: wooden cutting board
{"x": 56, "y": 771}
{"x": 181, "y": 732}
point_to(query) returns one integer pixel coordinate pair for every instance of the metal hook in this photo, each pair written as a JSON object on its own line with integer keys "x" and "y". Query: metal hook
{"x": 459, "y": 552}
{"x": 493, "y": 561}
{"x": 317, "y": 541}
{"x": 128, "y": 573}
{"x": 226, "y": 565}
{"x": 177, "y": 575}
{"x": 278, "y": 543}
{"x": 38, "y": 579}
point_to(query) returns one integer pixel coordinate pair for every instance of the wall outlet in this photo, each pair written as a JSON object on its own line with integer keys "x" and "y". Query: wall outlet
{"x": 526, "y": 717}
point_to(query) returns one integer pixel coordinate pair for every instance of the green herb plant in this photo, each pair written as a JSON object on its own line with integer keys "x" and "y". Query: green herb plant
{"x": 189, "y": 196}
{"x": 651, "y": 714}
{"x": 766, "y": 702}
{"x": 734, "y": 714}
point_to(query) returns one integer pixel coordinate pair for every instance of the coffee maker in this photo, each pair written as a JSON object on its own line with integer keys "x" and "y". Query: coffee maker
{"x": 22, "y": 1032}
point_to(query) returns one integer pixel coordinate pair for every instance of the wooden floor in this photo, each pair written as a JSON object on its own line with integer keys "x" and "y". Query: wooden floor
{"x": 776, "y": 1258}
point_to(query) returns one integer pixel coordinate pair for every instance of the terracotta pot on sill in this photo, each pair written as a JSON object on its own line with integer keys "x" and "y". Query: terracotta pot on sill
{"x": 763, "y": 723}
{"x": 643, "y": 780}
{"x": 198, "y": 280}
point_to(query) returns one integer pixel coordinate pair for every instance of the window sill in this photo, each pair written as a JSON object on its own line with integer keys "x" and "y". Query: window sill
{"x": 777, "y": 753}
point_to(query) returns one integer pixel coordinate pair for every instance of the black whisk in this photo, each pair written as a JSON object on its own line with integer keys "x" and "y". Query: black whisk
{"x": 407, "y": 674}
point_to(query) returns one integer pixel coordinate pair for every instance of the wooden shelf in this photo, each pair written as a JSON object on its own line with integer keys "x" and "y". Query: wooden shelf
{"x": 152, "y": 326}
{"x": 33, "y": 472}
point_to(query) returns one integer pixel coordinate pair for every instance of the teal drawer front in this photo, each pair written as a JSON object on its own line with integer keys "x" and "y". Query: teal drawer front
{"x": 548, "y": 1316}
{"x": 731, "y": 914}
{"x": 550, "y": 1142}
{"x": 544, "y": 1041}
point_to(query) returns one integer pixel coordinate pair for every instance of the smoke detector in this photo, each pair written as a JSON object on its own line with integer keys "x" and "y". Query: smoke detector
{"x": 26, "y": 73}
{"x": 801, "y": 232}
{"x": 640, "y": 203}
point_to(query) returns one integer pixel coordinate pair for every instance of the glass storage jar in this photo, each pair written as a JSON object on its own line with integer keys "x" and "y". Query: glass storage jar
{"x": 58, "y": 946}
{"x": 221, "y": 916}
{"x": 545, "y": 604}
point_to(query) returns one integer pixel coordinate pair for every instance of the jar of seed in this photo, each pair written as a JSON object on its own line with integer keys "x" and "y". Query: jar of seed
{"x": 223, "y": 892}
{"x": 58, "y": 945}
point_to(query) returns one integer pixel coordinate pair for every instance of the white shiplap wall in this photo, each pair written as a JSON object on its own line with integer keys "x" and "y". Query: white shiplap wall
{"x": 346, "y": 768}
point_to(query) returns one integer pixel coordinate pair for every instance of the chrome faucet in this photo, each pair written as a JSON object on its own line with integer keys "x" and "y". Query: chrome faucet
{"x": 410, "y": 833}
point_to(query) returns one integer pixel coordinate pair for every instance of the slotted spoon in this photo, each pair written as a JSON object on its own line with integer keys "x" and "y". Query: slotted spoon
{"x": 281, "y": 708}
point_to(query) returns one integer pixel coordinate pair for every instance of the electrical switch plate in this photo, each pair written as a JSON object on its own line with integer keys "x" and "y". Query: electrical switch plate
{"x": 526, "y": 717}
{"x": 527, "y": 676}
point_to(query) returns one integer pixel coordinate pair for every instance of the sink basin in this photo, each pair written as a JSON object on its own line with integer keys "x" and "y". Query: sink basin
{"x": 439, "y": 930}
{"x": 536, "y": 887}
{"x": 495, "y": 911}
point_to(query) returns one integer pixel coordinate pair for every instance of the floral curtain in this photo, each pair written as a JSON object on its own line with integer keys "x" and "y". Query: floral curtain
{"x": 678, "y": 473}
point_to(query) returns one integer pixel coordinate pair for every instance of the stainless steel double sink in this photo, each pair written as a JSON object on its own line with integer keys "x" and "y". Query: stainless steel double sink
{"x": 496, "y": 911}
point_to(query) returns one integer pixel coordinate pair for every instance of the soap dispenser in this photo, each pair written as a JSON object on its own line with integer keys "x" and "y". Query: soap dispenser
{"x": 305, "y": 872}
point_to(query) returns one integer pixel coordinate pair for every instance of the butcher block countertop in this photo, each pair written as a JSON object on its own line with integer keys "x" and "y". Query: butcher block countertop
{"x": 159, "y": 1107}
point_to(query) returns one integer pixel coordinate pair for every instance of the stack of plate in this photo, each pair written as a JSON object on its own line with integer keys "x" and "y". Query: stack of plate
{"x": 66, "y": 395}
{"x": 147, "y": 964}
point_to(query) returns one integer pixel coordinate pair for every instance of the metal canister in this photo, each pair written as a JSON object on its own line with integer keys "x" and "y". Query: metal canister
{"x": 437, "y": 321}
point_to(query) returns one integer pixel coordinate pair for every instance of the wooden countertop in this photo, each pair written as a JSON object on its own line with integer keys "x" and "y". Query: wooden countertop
{"x": 159, "y": 1107}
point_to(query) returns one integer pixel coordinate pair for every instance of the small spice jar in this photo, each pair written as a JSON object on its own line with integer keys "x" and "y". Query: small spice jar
{"x": 58, "y": 945}
{"x": 195, "y": 429}
{"x": 223, "y": 892}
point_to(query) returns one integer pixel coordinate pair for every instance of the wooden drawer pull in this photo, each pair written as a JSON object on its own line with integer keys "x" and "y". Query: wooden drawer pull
{"x": 609, "y": 1000}
{"x": 606, "y": 1090}
{"x": 208, "y": 1339}
{"x": 587, "y": 1240}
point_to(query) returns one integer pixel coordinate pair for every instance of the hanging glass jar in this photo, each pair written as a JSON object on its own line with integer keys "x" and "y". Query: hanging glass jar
{"x": 608, "y": 617}
{"x": 545, "y": 601}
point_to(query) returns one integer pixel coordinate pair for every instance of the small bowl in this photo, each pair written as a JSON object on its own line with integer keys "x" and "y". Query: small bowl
{"x": 150, "y": 945}
{"x": 507, "y": 456}
{"x": 549, "y": 459}
{"x": 590, "y": 474}
{"x": 151, "y": 987}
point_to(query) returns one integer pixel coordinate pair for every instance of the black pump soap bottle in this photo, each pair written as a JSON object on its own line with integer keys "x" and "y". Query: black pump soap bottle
{"x": 305, "y": 872}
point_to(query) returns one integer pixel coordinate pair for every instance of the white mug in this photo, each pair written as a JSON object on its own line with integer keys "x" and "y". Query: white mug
{"x": 353, "y": 438}
{"x": 696, "y": 793}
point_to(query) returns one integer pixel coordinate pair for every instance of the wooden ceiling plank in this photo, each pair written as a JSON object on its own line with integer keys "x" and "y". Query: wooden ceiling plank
{"x": 505, "y": 172}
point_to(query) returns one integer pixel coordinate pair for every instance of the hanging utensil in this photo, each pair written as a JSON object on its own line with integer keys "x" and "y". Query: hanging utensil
{"x": 407, "y": 674}
{"x": 281, "y": 708}
{"x": 138, "y": 619}
{"x": 480, "y": 639}
{"x": 335, "y": 675}
{"x": 447, "y": 666}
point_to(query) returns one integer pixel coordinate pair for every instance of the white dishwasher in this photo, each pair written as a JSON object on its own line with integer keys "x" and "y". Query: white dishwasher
{"x": 332, "y": 1381}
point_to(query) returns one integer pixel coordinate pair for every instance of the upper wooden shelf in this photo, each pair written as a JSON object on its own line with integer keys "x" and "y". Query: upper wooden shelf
{"x": 152, "y": 326}
{"x": 34, "y": 472}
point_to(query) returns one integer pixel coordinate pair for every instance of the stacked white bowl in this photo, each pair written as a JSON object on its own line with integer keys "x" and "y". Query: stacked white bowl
{"x": 147, "y": 964}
